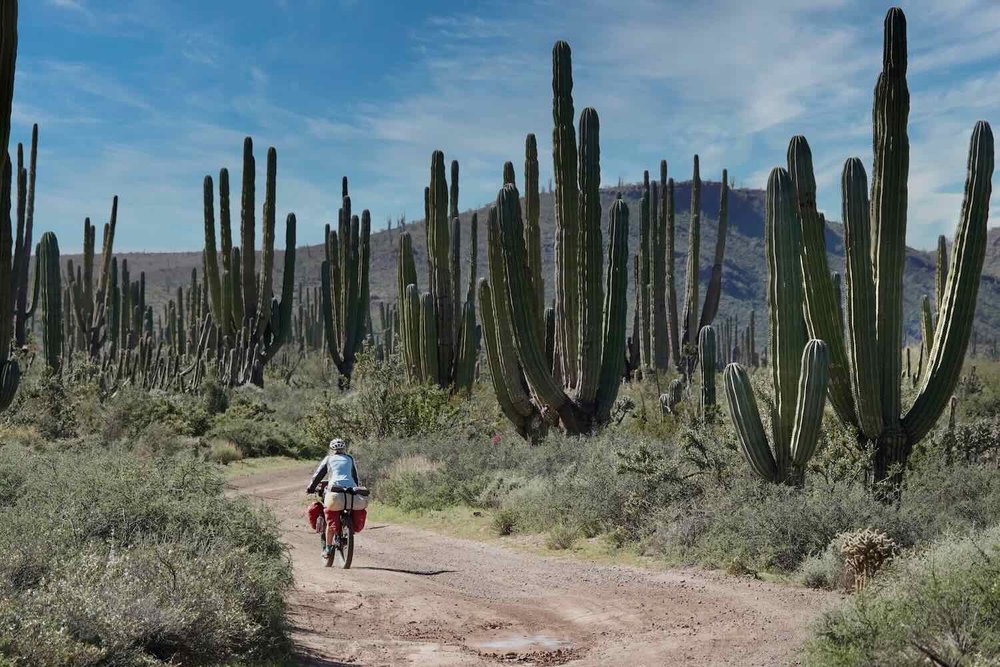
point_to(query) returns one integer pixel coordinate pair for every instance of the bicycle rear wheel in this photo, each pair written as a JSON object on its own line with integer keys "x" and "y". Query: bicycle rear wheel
{"x": 345, "y": 552}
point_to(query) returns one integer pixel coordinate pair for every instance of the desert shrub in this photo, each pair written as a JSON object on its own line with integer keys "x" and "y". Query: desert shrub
{"x": 825, "y": 569}
{"x": 561, "y": 537}
{"x": 131, "y": 411}
{"x": 215, "y": 397}
{"x": 254, "y": 427}
{"x": 110, "y": 559}
{"x": 936, "y": 606}
{"x": 224, "y": 452}
{"x": 416, "y": 484}
{"x": 43, "y": 403}
{"x": 504, "y": 521}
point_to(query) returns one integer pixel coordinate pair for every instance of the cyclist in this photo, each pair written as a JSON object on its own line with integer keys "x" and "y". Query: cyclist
{"x": 339, "y": 469}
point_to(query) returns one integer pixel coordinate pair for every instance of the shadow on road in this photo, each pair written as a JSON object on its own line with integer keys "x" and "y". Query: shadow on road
{"x": 315, "y": 661}
{"x": 420, "y": 573}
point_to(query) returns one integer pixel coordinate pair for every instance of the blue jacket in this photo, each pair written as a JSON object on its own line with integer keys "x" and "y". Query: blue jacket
{"x": 339, "y": 469}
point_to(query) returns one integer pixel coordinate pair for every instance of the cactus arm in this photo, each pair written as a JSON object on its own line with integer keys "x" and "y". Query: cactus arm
{"x": 941, "y": 272}
{"x": 813, "y": 380}
{"x": 532, "y": 230}
{"x": 861, "y": 298}
{"x": 225, "y": 223}
{"x": 616, "y": 311}
{"x": 283, "y": 325}
{"x": 410, "y": 321}
{"x": 749, "y": 428}
{"x": 707, "y": 348}
{"x": 821, "y": 305}
{"x": 328, "y": 322}
{"x": 564, "y": 158}
{"x": 107, "y": 253}
{"x": 236, "y": 282}
{"x": 661, "y": 339}
{"x": 429, "y": 343}
{"x": 8, "y": 60}
{"x": 30, "y": 312}
{"x": 47, "y": 264}
{"x": 958, "y": 308}
{"x": 265, "y": 285}
{"x": 363, "y": 274}
{"x": 926, "y": 324}
{"x": 6, "y": 259}
{"x": 248, "y": 226}
{"x": 712, "y": 295}
{"x": 787, "y": 327}
{"x": 642, "y": 285}
{"x": 211, "y": 260}
{"x": 888, "y": 206}
{"x": 508, "y": 380}
{"x": 455, "y": 272}
{"x": 672, "y": 321}
{"x": 591, "y": 262}
{"x": 465, "y": 372}
{"x": 439, "y": 272}
{"x": 691, "y": 318}
{"x": 509, "y": 231}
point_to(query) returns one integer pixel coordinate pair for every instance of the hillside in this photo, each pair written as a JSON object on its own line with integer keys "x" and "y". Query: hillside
{"x": 744, "y": 273}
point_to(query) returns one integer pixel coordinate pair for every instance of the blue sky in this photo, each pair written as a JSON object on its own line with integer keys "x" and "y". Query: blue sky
{"x": 142, "y": 98}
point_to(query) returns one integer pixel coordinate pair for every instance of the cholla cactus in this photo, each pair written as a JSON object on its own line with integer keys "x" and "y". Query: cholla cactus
{"x": 865, "y": 553}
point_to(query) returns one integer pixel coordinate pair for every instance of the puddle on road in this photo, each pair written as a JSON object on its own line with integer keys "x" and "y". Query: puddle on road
{"x": 524, "y": 643}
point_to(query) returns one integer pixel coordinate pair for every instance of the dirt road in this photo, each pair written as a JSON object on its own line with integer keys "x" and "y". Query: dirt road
{"x": 418, "y": 598}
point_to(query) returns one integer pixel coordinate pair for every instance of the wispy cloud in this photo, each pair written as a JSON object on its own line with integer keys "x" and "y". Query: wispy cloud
{"x": 730, "y": 80}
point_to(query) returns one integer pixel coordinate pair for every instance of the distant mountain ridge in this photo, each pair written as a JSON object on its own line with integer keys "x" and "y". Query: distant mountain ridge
{"x": 744, "y": 273}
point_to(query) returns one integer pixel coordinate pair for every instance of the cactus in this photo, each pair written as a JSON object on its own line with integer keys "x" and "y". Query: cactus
{"x": 865, "y": 384}
{"x": 707, "y": 352}
{"x": 577, "y": 390}
{"x": 695, "y": 317}
{"x": 252, "y": 324}
{"x": 660, "y": 336}
{"x": 799, "y": 370}
{"x": 452, "y": 331}
{"x": 344, "y": 285}
{"x": 532, "y": 231}
{"x": 12, "y": 277}
{"x": 47, "y": 273}
{"x": 645, "y": 273}
{"x": 89, "y": 316}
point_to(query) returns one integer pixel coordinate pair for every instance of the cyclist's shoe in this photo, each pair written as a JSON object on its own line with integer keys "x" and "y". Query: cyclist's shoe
{"x": 327, "y": 550}
{"x": 336, "y": 542}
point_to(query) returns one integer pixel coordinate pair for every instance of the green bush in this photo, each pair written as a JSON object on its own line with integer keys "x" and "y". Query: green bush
{"x": 937, "y": 606}
{"x": 224, "y": 452}
{"x": 111, "y": 559}
{"x": 505, "y": 521}
{"x": 561, "y": 537}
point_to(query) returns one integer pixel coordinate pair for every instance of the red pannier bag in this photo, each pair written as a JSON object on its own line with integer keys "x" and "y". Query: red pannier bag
{"x": 314, "y": 512}
{"x": 358, "y": 518}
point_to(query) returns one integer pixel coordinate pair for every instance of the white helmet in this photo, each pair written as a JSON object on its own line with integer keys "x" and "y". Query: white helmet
{"x": 338, "y": 446}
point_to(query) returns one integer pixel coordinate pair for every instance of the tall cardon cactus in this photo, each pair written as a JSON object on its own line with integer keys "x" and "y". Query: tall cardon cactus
{"x": 48, "y": 275}
{"x": 251, "y": 324}
{"x": 344, "y": 285}
{"x": 694, "y": 318}
{"x": 437, "y": 329}
{"x": 865, "y": 365}
{"x": 578, "y": 388}
{"x": 10, "y": 370}
{"x": 799, "y": 368}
